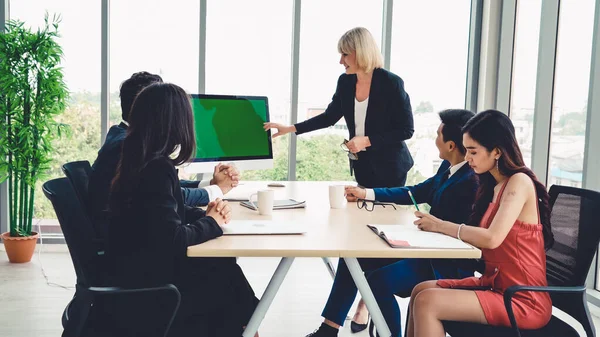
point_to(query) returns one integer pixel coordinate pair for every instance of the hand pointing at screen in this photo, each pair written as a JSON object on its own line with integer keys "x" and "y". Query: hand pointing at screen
{"x": 281, "y": 129}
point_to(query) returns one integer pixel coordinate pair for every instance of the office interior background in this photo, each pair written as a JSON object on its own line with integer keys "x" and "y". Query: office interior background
{"x": 534, "y": 60}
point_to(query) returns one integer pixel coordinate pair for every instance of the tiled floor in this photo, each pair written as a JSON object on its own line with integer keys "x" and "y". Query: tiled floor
{"x": 31, "y": 305}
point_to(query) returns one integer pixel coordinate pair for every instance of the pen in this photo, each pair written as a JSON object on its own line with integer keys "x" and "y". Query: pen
{"x": 413, "y": 199}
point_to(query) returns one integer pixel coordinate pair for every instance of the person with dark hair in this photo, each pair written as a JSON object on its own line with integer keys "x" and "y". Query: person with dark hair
{"x": 150, "y": 228}
{"x": 513, "y": 214}
{"x": 450, "y": 193}
{"x": 103, "y": 170}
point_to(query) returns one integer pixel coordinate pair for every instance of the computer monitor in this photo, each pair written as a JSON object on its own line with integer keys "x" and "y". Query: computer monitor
{"x": 229, "y": 129}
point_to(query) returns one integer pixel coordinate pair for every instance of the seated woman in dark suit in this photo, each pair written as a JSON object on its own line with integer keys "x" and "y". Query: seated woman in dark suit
{"x": 150, "y": 227}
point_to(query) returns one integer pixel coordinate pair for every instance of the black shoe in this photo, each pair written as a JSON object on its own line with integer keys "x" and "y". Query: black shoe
{"x": 357, "y": 327}
{"x": 324, "y": 331}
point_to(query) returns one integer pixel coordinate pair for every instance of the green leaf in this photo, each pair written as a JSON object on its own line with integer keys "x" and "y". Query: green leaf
{"x": 33, "y": 95}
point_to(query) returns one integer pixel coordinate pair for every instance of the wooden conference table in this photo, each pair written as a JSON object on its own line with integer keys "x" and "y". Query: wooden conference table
{"x": 330, "y": 232}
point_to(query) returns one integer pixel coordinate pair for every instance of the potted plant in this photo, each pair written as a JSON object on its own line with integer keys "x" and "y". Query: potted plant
{"x": 32, "y": 93}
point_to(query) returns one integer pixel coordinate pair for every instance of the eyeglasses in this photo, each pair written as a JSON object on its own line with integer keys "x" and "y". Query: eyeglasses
{"x": 352, "y": 156}
{"x": 369, "y": 205}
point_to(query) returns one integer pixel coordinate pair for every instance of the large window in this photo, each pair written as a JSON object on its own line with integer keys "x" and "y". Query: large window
{"x": 430, "y": 44}
{"x": 157, "y": 36}
{"x": 323, "y": 23}
{"x": 80, "y": 40}
{"x": 248, "y": 52}
{"x": 571, "y": 84}
{"x": 527, "y": 36}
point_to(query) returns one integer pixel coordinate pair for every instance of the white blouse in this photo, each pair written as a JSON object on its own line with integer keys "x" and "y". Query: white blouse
{"x": 360, "y": 115}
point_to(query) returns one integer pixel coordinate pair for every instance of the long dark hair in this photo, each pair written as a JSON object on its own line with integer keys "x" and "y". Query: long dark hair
{"x": 161, "y": 122}
{"x": 494, "y": 130}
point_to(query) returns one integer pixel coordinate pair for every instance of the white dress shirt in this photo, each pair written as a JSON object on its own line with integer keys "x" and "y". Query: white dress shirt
{"x": 213, "y": 191}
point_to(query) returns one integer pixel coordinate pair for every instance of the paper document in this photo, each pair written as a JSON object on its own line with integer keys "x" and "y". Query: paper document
{"x": 277, "y": 204}
{"x": 238, "y": 227}
{"x": 404, "y": 236}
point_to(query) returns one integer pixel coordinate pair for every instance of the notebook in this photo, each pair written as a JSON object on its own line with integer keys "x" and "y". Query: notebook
{"x": 405, "y": 236}
{"x": 277, "y": 204}
{"x": 245, "y": 227}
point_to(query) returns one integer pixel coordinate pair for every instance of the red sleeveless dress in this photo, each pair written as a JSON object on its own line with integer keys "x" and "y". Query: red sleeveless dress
{"x": 519, "y": 260}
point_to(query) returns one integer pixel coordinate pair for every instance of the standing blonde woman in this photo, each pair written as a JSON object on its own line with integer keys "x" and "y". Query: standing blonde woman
{"x": 378, "y": 114}
{"x": 377, "y": 111}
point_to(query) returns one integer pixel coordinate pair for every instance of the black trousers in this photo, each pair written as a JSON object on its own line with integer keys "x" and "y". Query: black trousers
{"x": 371, "y": 173}
{"x": 215, "y": 301}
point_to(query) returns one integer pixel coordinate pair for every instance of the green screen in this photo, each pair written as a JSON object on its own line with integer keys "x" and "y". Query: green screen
{"x": 230, "y": 127}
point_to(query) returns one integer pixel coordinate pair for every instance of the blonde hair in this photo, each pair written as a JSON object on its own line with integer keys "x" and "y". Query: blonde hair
{"x": 360, "y": 41}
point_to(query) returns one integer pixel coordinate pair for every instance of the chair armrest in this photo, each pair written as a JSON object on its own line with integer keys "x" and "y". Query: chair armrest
{"x": 119, "y": 290}
{"x": 87, "y": 294}
{"x": 511, "y": 291}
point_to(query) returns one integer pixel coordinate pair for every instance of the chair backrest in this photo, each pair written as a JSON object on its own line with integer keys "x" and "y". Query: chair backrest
{"x": 576, "y": 234}
{"x": 78, "y": 172}
{"x": 77, "y": 229}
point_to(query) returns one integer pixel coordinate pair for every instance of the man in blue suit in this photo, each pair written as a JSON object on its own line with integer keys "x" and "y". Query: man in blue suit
{"x": 105, "y": 167}
{"x": 451, "y": 195}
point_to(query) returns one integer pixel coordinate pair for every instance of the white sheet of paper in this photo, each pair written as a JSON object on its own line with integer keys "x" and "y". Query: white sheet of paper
{"x": 238, "y": 227}
{"x": 417, "y": 238}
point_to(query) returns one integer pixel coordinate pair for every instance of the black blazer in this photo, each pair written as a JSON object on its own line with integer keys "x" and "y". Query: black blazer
{"x": 104, "y": 170}
{"x": 389, "y": 122}
{"x": 149, "y": 234}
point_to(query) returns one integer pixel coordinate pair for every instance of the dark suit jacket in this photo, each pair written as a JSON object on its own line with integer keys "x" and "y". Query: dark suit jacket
{"x": 104, "y": 170}
{"x": 148, "y": 238}
{"x": 451, "y": 200}
{"x": 389, "y": 122}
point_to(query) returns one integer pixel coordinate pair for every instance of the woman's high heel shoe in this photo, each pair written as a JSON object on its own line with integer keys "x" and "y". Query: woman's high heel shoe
{"x": 357, "y": 327}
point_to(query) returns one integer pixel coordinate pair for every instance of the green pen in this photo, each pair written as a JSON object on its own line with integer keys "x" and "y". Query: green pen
{"x": 413, "y": 199}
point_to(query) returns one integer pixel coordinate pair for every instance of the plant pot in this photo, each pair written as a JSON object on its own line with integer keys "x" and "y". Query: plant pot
{"x": 19, "y": 249}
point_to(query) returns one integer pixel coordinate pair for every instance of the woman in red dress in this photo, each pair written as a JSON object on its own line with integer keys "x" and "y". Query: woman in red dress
{"x": 513, "y": 213}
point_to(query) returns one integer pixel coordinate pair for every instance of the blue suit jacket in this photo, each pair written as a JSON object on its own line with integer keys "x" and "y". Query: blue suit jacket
{"x": 451, "y": 200}
{"x": 105, "y": 168}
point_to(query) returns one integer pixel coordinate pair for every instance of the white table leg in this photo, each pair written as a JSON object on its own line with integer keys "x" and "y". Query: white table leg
{"x": 367, "y": 295}
{"x": 268, "y": 296}
{"x": 329, "y": 266}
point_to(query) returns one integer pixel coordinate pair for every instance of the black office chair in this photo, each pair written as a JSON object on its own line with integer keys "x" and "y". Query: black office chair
{"x": 78, "y": 174}
{"x": 82, "y": 320}
{"x": 576, "y": 234}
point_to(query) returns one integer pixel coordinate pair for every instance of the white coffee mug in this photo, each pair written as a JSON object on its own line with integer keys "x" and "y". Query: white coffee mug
{"x": 337, "y": 198}
{"x": 265, "y": 199}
